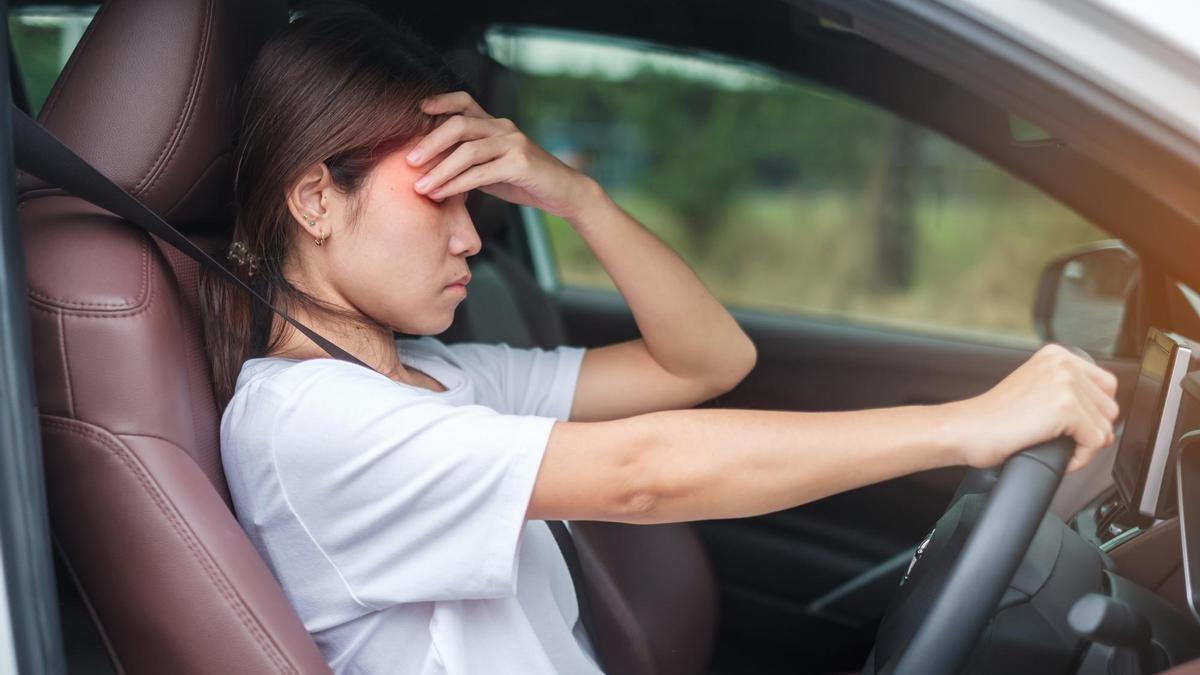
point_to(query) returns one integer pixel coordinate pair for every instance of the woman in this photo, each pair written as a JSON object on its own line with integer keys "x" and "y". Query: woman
{"x": 400, "y": 506}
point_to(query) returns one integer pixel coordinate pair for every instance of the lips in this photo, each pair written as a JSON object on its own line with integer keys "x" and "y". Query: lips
{"x": 461, "y": 281}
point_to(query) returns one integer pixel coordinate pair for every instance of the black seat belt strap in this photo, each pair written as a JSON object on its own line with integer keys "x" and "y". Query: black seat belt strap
{"x": 38, "y": 152}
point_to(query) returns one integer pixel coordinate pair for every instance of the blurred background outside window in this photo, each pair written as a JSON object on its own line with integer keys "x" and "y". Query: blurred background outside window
{"x": 785, "y": 196}
{"x": 43, "y": 38}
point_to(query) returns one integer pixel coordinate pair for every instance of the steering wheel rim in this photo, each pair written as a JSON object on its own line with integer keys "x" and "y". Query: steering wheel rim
{"x": 985, "y": 565}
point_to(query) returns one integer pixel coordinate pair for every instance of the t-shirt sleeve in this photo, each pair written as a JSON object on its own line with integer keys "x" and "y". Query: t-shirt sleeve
{"x": 410, "y": 498}
{"x": 523, "y": 381}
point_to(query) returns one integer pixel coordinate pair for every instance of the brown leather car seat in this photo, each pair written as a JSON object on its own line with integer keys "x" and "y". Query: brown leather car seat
{"x": 138, "y": 503}
{"x": 139, "y": 508}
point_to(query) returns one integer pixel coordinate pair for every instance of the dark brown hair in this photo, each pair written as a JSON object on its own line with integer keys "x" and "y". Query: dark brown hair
{"x": 338, "y": 85}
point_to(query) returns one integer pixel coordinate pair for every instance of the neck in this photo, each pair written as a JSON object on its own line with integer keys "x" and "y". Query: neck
{"x": 372, "y": 345}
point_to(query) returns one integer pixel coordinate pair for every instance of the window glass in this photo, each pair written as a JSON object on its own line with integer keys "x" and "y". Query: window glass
{"x": 785, "y": 196}
{"x": 43, "y": 38}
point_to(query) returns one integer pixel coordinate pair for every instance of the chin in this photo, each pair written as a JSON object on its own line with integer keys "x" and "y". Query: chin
{"x": 431, "y": 327}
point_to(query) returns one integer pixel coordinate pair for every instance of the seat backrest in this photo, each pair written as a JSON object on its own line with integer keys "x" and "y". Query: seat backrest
{"x": 138, "y": 504}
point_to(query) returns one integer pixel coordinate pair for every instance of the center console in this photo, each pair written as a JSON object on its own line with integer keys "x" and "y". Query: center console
{"x": 1130, "y": 627}
{"x": 1144, "y": 468}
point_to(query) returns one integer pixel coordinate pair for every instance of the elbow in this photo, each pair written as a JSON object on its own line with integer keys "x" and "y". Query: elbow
{"x": 638, "y": 492}
{"x": 747, "y": 359}
{"x": 740, "y": 360}
{"x": 637, "y": 507}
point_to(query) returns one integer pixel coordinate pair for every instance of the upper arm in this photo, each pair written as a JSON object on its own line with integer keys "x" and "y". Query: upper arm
{"x": 624, "y": 379}
{"x": 594, "y": 471}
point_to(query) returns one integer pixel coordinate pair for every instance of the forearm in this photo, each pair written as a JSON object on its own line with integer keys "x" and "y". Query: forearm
{"x": 708, "y": 464}
{"x": 683, "y": 465}
{"x": 686, "y": 330}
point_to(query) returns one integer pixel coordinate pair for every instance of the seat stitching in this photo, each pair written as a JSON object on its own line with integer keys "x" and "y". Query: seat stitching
{"x": 120, "y": 451}
{"x": 49, "y": 307}
{"x": 142, "y": 296}
{"x": 123, "y": 434}
{"x": 156, "y": 170}
{"x": 54, "y": 309}
{"x": 62, "y": 342}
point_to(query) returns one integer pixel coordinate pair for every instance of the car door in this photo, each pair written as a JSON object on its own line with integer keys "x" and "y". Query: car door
{"x": 873, "y": 261}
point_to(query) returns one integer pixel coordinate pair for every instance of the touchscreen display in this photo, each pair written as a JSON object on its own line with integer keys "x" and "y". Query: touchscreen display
{"x": 1141, "y": 424}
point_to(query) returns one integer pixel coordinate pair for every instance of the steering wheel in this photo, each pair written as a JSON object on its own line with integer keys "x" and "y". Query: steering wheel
{"x": 962, "y": 569}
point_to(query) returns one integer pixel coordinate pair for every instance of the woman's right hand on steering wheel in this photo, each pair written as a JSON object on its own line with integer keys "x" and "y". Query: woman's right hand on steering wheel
{"x": 1055, "y": 393}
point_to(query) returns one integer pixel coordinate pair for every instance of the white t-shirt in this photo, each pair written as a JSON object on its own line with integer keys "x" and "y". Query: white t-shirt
{"x": 394, "y": 516}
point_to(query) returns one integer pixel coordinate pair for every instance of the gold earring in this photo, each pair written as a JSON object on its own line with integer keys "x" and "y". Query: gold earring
{"x": 320, "y": 242}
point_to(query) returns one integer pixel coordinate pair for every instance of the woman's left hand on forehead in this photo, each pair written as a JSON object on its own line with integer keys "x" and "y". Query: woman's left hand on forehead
{"x": 494, "y": 156}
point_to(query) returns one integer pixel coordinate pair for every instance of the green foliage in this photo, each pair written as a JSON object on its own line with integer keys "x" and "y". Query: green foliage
{"x": 773, "y": 194}
{"x": 696, "y": 147}
{"x": 37, "y": 50}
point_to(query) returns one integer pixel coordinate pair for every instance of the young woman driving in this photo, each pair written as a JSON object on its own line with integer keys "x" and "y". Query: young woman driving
{"x": 401, "y": 506}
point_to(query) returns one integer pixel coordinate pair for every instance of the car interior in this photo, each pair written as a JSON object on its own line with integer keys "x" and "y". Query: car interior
{"x": 154, "y": 574}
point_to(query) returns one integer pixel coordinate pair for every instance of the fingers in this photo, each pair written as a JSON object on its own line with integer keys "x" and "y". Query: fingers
{"x": 1106, "y": 381}
{"x": 1103, "y": 379}
{"x": 1099, "y": 427}
{"x": 457, "y": 129}
{"x": 1082, "y": 457}
{"x": 1088, "y": 399}
{"x": 475, "y": 177}
{"x": 1094, "y": 430}
{"x": 1105, "y": 404}
{"x": 454, "y": 103}
{"x": 464, "y": 157}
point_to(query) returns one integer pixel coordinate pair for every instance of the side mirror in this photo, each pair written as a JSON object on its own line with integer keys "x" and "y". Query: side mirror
{"x": 1086, "y": 295}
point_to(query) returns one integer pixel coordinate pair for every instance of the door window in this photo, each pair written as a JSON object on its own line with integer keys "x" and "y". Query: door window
{"x": 786, "y": 196}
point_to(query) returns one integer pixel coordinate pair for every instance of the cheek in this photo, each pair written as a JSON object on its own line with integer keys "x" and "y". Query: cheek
{"x": 403, "y": 240}
{"x": 403, "y": 233}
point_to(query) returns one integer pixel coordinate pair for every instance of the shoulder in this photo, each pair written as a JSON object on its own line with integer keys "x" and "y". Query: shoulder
{"x": 487, "y": 357}
{"x": 294, "y": 402}
{"x": 480, "y": 363}
{"x": 296, "y": 380}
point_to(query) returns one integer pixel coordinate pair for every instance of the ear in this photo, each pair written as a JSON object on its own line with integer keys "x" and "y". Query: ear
{"x": 308, "y": 200}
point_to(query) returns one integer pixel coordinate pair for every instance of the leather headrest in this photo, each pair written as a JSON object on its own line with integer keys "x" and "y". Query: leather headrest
{"x": 147, "y": 98}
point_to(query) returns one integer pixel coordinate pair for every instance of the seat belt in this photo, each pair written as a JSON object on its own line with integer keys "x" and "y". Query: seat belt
{"x": 570, "y": 554}
{"x": 37, "y": 152}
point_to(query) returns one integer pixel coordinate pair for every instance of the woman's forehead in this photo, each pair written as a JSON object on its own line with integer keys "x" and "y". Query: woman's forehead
{"x": 396, "y": 169}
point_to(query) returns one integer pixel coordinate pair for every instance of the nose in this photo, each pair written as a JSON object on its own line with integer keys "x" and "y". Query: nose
{"x": 464, "y": 240}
